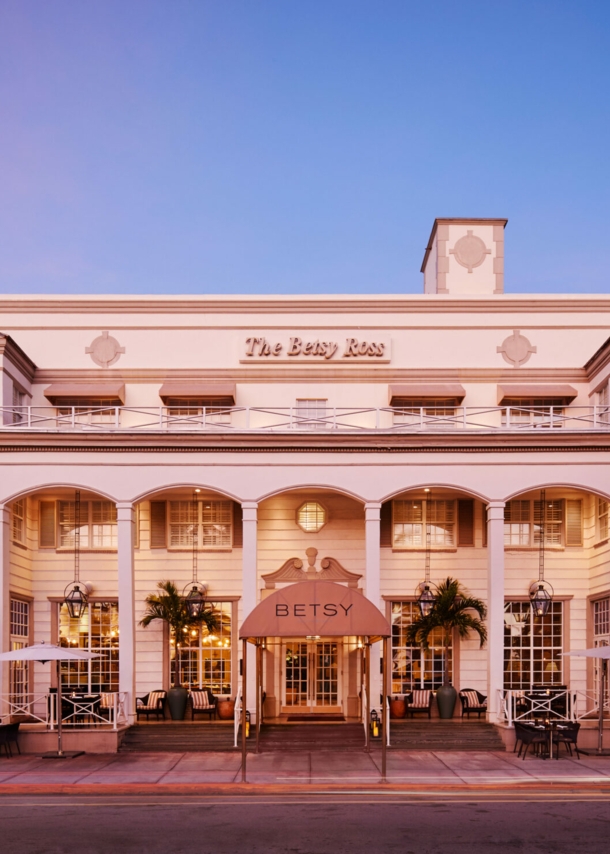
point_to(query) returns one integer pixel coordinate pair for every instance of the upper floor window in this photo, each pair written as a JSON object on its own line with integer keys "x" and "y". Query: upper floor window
{"x": 562, "y": 522}
{"x": 98, "y": 524}
{"x": 96, "y": 410}
{"x": 533, "y": 412}
{"x": 311, "y": 414}
{"x": 433, "y": 412}
{"x": 602, "y": 519}
{"x": 211, "y": 521}
{"x": 188, "y": 409}
{"x": 411, "y": 518}
{"x": 18, "y": 530}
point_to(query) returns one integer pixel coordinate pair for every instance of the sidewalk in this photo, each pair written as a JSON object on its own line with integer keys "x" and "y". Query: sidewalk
{"x": 162, "y": 771}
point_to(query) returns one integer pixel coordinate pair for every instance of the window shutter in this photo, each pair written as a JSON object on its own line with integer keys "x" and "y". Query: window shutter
{"x": 484, "y": 512}
{"x": 573, "y": 522}
{"x": 466, "y": 522}
{"x": 158, "y": 525}
{"x": 46, "y": 525}
{"x": 238, "y": 526}
{"x": 385, "y": 525}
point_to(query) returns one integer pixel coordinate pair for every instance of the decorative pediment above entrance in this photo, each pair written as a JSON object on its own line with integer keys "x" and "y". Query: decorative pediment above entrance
{"x": 293, "y": 571}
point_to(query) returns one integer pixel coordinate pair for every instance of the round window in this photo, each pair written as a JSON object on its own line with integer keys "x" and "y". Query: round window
{"x": 311, "y": 516}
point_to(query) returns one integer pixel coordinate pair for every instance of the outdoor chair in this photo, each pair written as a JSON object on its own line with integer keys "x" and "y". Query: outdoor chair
{"x": 567, "y": 734}
{"x": 151, "y": 704}
{"x": 473, "y": 702}
{"x": 12, "y": 732}
{"x": 419, "y": 701}
{"x": 527, "y": 735}
{"x": 4, "y": 740}
{"x": 203, "y": 702}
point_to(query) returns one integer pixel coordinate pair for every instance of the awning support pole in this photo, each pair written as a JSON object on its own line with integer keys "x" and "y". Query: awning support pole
{"x": 244, "y": 684}
{"x": 259, "y": 693}
{"x": 367, "y": 661}
{"x": 384, "y": 712}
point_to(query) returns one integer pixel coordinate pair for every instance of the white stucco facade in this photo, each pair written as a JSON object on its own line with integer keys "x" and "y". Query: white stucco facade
{"x": 463, "y": 395}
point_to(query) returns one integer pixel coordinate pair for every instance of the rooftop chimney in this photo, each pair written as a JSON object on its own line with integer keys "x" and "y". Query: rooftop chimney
{"x": 465, "y": 256}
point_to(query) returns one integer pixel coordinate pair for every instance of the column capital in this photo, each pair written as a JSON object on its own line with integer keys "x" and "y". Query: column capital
{"x": 125, "y": 511}
{"x": 249, "y": 505}
{"x": 372, "y": 511}
{"x": 496, "y": 504}
{"x": 495, "y": 511}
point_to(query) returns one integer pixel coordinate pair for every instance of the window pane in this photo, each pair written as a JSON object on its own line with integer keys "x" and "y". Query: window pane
{"x": 67, "y": 524}
{"x": 96, "y": 631}
{"x": 181, "y": 523}
{"x": 216, "y": 523}
{"x": 533, "y": 646}
{"x": 205, "y": 657}
{"x": 413, "y": 667}
{"x": 103, "y": 525}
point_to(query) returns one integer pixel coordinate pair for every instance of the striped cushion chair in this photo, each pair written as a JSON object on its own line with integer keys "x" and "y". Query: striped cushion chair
{"x": 473, "y": 701}
{"x": 151, "y": 704}
{"x": 203, "y": 702}
{"x": 419, "y": 701}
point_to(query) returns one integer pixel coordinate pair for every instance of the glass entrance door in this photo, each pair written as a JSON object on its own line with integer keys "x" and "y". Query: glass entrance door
{"x": 311, "y": 676}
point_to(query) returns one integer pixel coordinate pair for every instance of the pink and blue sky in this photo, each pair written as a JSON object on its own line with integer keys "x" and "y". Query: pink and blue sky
{"x": 298, "y": 146}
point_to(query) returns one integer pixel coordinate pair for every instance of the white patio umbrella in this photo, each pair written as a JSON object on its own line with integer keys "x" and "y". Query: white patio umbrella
{"x": 603, "y": 653}
{"x": 44, "y": 652}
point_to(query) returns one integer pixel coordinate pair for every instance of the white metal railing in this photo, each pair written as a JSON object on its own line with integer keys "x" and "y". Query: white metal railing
{"x": 163, "y": 419}
{"x": 237, "y": 717}
{"x": 566, "y": 705}
{"x": 79, "y": 710}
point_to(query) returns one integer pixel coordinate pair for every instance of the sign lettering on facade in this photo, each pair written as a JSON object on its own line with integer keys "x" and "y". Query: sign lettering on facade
{"x": 297, "y": 348}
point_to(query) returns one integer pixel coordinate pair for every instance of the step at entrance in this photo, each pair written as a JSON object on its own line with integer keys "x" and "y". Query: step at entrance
{"x": 445, "y": 735}
{"x": 288, "y": 738}
{"x": 177, "y": 738}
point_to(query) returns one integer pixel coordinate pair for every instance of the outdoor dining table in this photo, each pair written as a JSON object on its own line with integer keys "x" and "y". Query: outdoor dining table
{"x": 550, "y": 728}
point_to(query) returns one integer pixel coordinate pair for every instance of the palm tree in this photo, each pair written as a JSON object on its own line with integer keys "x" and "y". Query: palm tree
{"x": 450, "y": 611}
{"x": 169, "y": 606}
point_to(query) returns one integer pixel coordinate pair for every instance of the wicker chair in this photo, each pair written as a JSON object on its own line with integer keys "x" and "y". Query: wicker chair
{"x": 151, "y": 704}
{"x": 568, "y": 735}
{"x": 473, "y": 702}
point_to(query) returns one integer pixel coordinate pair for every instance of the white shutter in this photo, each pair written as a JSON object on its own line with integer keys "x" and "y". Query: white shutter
{"x": 573, "y": 522}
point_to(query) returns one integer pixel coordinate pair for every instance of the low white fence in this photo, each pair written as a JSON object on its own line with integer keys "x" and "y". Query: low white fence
{"x": 393, "y": 420}
{"x": 86, "y": 711}
{"x": 565, "y": 705}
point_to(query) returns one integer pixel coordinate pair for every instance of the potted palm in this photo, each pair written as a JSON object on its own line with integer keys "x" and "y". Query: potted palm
{"x": 170, "y": 607}
{"x": 452, "y": 611}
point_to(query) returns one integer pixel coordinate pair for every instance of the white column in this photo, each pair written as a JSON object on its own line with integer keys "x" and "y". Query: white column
{"x": 5, "y": 614}
{"x": 249, "y": 591}
{"x": 372, "y": 589}
{"x": 127, "y": 624}
{"x": 495, "y": 606}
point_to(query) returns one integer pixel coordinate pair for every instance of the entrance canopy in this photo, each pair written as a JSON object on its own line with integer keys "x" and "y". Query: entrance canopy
{"x": 315, "y": 608}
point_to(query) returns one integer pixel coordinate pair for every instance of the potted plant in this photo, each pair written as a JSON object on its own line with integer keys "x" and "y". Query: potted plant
{"x": 452, "y": 611}
{"x": 169, "y": 606}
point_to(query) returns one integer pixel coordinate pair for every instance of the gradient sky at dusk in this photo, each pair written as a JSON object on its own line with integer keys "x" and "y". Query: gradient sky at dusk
{"x": 298, "y": 146}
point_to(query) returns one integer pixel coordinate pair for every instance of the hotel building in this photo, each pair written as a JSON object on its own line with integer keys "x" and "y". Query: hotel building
{"x": 260, "y": 441}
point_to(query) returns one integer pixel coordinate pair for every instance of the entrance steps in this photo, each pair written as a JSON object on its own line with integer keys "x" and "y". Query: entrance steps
{"x": 445, "y": 735}
{"x": 177, "y": 738}
{"x": 311, "y": 738}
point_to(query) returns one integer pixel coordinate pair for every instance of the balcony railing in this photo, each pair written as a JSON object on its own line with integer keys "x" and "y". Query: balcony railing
{"x": 288, "y": 419}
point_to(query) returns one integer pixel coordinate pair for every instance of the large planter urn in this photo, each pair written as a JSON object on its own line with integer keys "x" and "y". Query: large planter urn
{"x": 397, "y": 708}
{"x": 225, "y": 709}
{"x": 176, "y": 700}
{"x": 445, "y": 700}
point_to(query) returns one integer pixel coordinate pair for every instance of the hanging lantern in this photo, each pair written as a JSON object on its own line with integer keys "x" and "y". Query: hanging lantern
{"x": 541, "y": 596}
{"x": 195, "y": 599}
{"x": 75, "y": 601}
{"x": 426, "y": 599}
